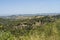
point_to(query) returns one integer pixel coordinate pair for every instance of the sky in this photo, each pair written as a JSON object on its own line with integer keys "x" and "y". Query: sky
{"x": 13, "y": 7}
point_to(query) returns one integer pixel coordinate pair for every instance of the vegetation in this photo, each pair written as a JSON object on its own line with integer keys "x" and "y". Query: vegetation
{"x": 36, "y": 28}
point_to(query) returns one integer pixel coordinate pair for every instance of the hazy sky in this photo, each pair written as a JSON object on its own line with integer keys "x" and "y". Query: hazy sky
{"x": 10, "y": 7}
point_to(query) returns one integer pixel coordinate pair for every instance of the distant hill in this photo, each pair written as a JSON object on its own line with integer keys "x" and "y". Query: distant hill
{"x": 23, "y": 16}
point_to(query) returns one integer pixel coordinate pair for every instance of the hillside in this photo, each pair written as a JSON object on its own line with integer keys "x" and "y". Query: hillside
{"x": 30, "y": 28}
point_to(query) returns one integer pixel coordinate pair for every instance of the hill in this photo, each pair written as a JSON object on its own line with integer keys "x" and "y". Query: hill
{"x": 30, "y": 28}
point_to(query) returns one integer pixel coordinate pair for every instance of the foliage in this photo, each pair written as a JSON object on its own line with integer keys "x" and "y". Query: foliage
{"x": 27, "y": 29}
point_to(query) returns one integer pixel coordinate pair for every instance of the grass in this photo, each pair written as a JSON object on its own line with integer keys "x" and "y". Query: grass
{"x": 46, "y": 31}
